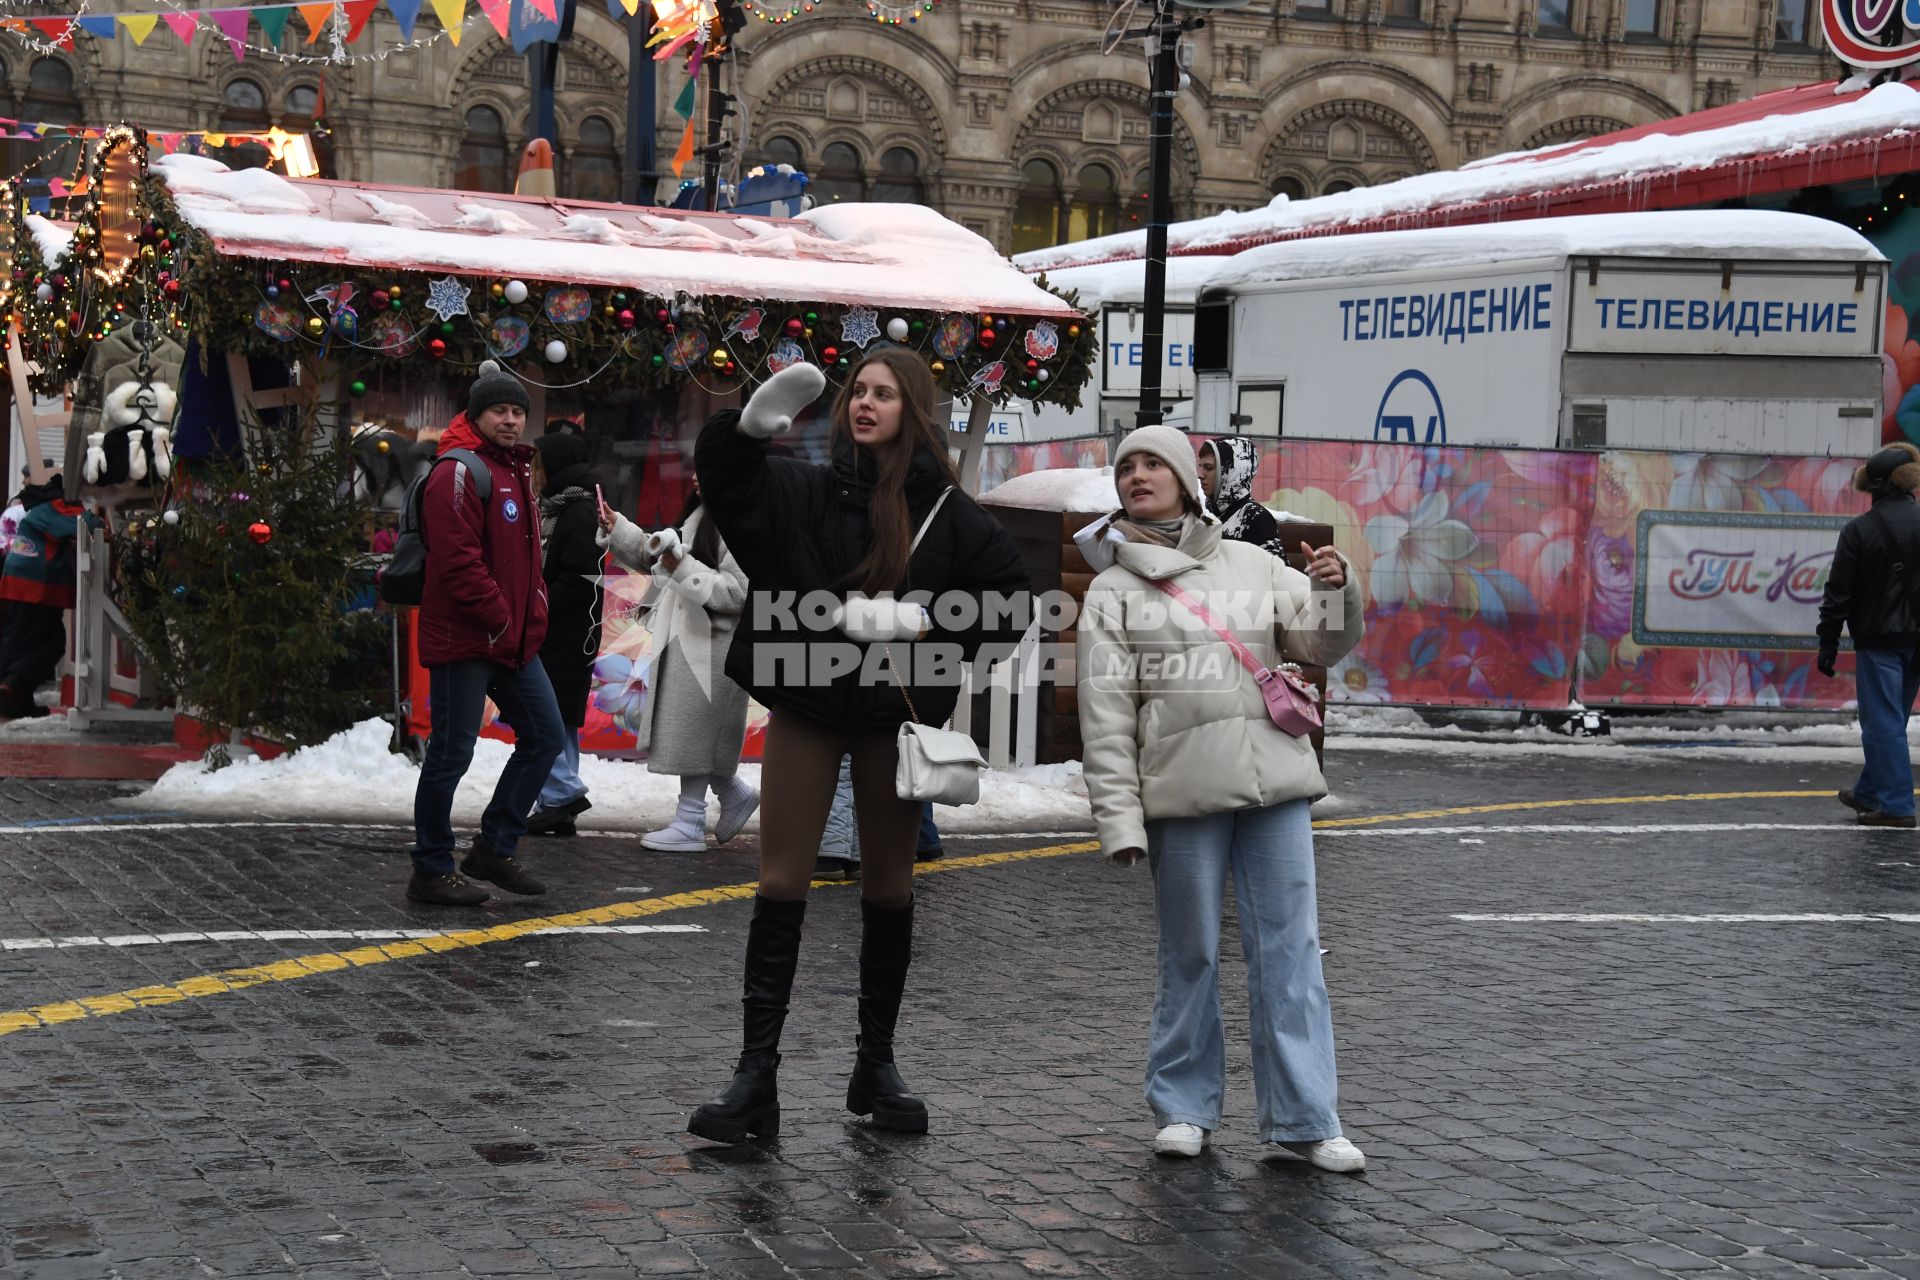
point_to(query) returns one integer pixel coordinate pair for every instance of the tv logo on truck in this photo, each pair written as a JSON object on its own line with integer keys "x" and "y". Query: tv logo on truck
{"x": 1410, "y": 407}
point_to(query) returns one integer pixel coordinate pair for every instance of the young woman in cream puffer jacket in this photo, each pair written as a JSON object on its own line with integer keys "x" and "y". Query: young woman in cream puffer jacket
{"x": 1184, "y": 765}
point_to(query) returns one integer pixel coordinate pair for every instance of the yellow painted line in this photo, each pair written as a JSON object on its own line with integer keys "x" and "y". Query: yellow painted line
{"x": 1517, "y": 805}
{"x": 294, "y": 967}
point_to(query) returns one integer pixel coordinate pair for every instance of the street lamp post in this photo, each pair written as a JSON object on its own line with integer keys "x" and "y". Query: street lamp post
{"x": 1165, "y": 32}
{"x": 639, "y": 182}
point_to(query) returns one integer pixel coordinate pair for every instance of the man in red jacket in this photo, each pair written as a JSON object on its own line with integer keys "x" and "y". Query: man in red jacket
{"x": 483, "y": 615}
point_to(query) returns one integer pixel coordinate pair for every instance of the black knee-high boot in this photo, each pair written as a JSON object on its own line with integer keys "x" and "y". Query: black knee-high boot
{"x": 876, "y": 1089}
{"x": 750, "y": 1106}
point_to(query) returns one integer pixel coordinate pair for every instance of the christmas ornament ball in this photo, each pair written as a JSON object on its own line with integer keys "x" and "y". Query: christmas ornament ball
{"x": 380, "y": 299}
{"x": 556, "y": 351}
{"x": 44, "y": 292}
{"x": 316, "y": 326}
{"x": 516, "y": 291}
{"x": 382, "y": 446}
{"x": 939, "y": 367}
{"x": 720, "y": 358}
{"x": 359, "y": 389}
{"x": 171, "y": 516}
{"x": 898, "y": 329}
{"x": 261, "y": 532}
{"x": 437, "y": 348}
{"x": 628, "y": 319}
{"x": 180, "y": 592}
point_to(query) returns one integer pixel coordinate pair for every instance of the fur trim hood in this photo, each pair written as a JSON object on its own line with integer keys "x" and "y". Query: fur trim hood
{"x": 1894, "y": 469}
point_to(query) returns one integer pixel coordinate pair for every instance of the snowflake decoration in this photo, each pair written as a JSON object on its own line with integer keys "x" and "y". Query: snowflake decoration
{"x": 859, "y": 326}
{"x": 447, "y": 298}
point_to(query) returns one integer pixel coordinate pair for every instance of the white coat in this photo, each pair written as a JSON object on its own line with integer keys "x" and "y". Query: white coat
{"x": 1164, "y": 743}
{"x": 688, "y": 724}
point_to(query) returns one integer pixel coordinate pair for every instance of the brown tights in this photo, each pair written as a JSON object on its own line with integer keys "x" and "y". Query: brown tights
{"x": 800, "y": 766}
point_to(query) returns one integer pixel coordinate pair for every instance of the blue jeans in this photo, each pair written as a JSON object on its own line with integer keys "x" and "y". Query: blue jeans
{"x": 929, "y": 834}
{"x": 459, "y": 693}
{"x": 1885, "y": 682}
{"x": 563, "y": 780}
{"x": 1271, "y": 853}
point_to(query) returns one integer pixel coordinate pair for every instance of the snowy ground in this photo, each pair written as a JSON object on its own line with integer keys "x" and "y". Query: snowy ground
{"x": 354, "y": 778}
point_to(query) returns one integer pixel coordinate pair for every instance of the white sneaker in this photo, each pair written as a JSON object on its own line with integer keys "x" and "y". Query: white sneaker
{"x": 737, "y": 803}
{"x": 686, "y": 834}
{"x": 1335, "y": 1155}
{"x": 1180, "y": 1140}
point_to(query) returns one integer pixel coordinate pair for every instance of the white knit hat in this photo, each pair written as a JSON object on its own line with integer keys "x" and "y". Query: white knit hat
{"x": 1173, "y": 447}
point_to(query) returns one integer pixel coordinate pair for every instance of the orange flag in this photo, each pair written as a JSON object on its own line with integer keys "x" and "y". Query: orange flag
{"x": 317, "y": 16}
{"x": 684, "y": 152}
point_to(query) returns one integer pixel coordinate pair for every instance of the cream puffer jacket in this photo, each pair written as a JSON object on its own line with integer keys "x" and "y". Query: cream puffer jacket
{"x": 1171, "y": 724}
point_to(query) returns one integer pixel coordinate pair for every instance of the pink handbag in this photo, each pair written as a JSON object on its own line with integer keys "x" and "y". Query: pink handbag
{"x": 1292, "y": 703}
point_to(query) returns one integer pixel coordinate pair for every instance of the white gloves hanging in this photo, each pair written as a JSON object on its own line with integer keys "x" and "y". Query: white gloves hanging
{"x": 770, "y": 410}
{"x": 882, "y": 619}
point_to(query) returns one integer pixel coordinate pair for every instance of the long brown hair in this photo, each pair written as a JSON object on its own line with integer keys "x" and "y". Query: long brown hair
{"x": 885, "y": 565}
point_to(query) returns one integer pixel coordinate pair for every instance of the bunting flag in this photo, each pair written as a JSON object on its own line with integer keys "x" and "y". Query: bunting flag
{"x": 683, "y": 153}
{"x": 531, "y": 27}
{"x": 632, "y": 6}
{"x": 98, "y": 28}
{"x": 273, "y": 22}
{"x": 182, "y": 25}
{"x": 316, "y": 16}
{"x": 58, "y": 31}
{"x": 358, "y": 11}
{"x": 547, "y": 10}
{"x": 453, "y": 16}
{"x": 683, "y": 105}
{"x": 406, "y": 13}
{"x": 500, "y": 14}
{"x": 141, "y": 26}
{"x": 233, "y": 25}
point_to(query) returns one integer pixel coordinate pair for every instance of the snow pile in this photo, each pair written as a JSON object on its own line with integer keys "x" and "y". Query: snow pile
{"x": 205, "y": 182}
{"x": 52, "y": 237}
{"x": 1061, "y": 489}
{"x": 1717, "y": 234}
{"x": 1880, "y": 112}
{"x": 582, "y": 226}
{"x": 493, "y": 220}
{"x": 393, "y": 213}
{"x": 353, "y": 778}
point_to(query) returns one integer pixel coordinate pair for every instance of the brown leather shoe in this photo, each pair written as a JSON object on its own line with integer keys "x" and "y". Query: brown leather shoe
{"x": 449, "y": 890}
{"x": 510, "y": 874}
{"x": 1852, "y": 801}
{"x": 1878, "y": 819}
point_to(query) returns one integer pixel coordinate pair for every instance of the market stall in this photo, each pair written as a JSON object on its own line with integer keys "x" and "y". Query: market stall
{"x": 334, "y": 305}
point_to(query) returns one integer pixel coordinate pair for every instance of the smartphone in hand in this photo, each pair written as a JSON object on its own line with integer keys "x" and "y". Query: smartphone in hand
{"x": 600, "y": 504}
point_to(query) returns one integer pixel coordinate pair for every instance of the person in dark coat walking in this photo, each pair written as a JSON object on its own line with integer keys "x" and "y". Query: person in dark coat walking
{"x": 824, "y": 550}
{"x": 1871, "y": 590}
{"x": 571, "y": 569}
{"x": 36, "y": 590}
{"x": 1227, "y": 466}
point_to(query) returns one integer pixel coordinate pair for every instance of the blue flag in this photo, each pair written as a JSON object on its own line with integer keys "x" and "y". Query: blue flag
{"x": 528, "y": 26}
{"x": 101, "y": 27}
{"x": 405, "y": 12}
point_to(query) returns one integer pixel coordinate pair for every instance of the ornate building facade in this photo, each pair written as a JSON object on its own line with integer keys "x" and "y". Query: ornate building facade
{"x": 1003, "y": 114}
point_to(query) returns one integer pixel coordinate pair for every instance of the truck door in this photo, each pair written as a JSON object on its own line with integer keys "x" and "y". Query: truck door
{"x": 1260, "y": 411}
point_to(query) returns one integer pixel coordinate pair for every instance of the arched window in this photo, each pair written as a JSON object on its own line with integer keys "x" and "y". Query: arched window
{"x": 299, "y": 116}
{"x": 783, "y": 150}
{"x": 839, "y": 179}
{"x": 1291, "y": 188}
{"x": 301, "y": 100}
{"x": 596, "y": 163}
{"x": 899, "y": 180}
{"x": 1095, "y": 210}
{"x": 51, "y": 99}
{"x": 243, "y": 109}
{"x": 482, "y": 163}
{"x": 1337, "y": 185}
{"x": 1037, "y": 211}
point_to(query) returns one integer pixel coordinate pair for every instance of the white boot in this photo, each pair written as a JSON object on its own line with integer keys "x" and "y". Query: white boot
{"x": 688, "y": 833}
{"x": 737, "y": 803}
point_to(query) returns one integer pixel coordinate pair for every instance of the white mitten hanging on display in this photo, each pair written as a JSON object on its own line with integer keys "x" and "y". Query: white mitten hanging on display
{"x": 136, "y": 454}
{"x": 96, "y": 463}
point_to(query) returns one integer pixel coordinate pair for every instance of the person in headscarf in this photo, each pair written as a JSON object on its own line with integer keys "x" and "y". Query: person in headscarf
{"x": 1226, "y": 468}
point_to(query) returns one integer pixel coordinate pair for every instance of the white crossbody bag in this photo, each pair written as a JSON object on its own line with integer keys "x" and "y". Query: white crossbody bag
{"x": 934, "y": 764}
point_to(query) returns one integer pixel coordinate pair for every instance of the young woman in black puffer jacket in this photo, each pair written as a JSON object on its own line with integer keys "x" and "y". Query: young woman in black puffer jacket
{"x": 841, "y": 539}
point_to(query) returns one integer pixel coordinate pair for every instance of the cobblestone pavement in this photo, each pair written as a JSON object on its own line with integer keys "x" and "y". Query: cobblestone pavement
{"x": 1612, "y": 1097}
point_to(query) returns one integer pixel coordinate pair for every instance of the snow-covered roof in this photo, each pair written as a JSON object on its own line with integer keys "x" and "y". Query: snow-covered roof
{"x": 1774, "y": 142}
{"x": 51, "y": 237}
{"x": 880, "y": 255}
{"x": 1059, "y": 489}
{"x": 1123, "y": 282}
{"x": 1737, "y": 234}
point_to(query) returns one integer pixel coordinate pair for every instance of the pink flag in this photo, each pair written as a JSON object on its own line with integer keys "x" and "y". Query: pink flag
{"x": 182, "y": 25}
{"x": 545, "y": 9}
{"x": 233, "y": 25}
{"x": 498, "y": 13}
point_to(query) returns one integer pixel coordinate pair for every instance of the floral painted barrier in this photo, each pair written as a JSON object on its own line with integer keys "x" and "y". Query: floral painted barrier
{"x": 1527, "y": 578}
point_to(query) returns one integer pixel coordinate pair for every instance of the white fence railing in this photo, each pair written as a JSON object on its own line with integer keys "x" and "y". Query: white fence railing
{"x": 1013, "y": 704}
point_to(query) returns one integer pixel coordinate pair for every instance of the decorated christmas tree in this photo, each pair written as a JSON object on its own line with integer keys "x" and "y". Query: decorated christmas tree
{"x": 250, "y": 595}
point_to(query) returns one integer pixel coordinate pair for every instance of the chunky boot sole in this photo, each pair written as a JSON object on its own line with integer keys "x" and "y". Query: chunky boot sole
{"x": 884, "y": 1116}
{"x": 764, "y": 1123}
{"x": 661, "y": 842}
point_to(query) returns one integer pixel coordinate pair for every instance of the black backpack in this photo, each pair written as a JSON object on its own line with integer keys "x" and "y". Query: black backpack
{"x": 404, "y": 580}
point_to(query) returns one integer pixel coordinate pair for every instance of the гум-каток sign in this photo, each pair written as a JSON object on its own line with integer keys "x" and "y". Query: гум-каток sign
{"x": 1873, "y": 34}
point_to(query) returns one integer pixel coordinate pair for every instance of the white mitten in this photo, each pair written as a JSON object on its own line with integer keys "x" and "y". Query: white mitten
{"x": 770, "y": 410}
{"x": 136, "y": 454}
{"x": 664, "y": 543}
{"x": 878, "y": 620}
{"x": 96, "y": 463}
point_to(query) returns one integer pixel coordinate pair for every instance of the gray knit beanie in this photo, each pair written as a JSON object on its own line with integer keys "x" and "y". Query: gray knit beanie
{"x": 495, "y": 386}
{"x": 1173, "y": 447}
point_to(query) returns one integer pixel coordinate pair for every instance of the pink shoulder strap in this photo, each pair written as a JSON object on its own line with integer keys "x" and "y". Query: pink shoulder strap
{"x": 1254, "y": 666}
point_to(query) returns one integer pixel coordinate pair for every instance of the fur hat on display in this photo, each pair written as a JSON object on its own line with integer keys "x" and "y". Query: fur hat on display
{"x": 1895, "y": 469}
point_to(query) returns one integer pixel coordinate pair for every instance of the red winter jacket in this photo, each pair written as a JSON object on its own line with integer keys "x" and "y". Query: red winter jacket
{"x": 484, "y": 595}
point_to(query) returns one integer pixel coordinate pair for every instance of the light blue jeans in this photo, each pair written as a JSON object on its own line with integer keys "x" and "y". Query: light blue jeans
{"x": 563, "y": 783}
{"x": 1271, "y": 854}
{"x": 1885, "y": 682}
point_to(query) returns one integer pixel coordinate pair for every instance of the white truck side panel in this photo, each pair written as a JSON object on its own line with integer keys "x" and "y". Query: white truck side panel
{"x": 1456, "y": 359}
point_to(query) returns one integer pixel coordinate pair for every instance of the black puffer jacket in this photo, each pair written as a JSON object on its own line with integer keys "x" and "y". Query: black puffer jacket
{"x": 1873, "y": 579}
{"x": 572, "y": 572}
{"x": 799, "y": 528}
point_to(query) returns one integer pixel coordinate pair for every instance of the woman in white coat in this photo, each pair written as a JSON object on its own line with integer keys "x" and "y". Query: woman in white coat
{"x": 694, "y": 721}
{"x": 1185, "y": 767}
